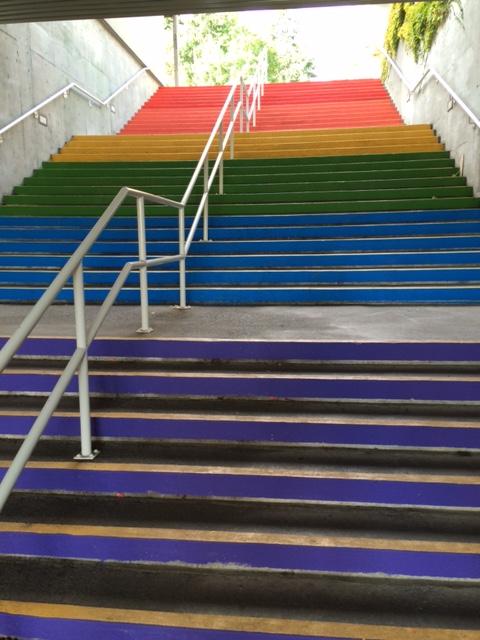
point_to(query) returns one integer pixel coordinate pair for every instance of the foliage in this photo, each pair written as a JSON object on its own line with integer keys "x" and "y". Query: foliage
{"x": 417, "y": 24}
{"x": 214, "y": 48}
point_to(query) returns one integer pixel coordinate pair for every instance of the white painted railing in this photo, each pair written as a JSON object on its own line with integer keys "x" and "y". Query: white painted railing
{"x": 78, "y": 363}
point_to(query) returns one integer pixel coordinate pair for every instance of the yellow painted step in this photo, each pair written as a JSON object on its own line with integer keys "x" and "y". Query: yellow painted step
{"x": 400, "y": 133}
{"x": 240, "y": 623}
{"x": 246, "y": 143}
{"x": 399, "y": 129}
{"x": 351, "y": 150}
{"x": 253, "y": 147}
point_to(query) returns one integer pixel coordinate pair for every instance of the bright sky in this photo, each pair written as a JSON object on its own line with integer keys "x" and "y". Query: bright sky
{"x": 341, "y": 40}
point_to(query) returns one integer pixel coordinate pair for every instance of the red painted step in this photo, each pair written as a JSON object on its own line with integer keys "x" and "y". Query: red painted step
{"x": 300, "y": 105}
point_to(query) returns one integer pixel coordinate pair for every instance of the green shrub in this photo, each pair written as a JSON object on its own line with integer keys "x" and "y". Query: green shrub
{"x": 417, "y": 24}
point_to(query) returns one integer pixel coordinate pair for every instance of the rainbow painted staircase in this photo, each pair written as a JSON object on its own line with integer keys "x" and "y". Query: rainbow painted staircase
{"x": 252, "y": 490}
{"x": 303, "y": 105}
{"x": 365, "y": 215}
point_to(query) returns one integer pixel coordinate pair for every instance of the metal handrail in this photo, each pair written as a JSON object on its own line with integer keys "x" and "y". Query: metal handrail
{"x": 78, "y": 363}
{"x": 431, "y": 73}
{"x": 257, "y": 88}
{"x": 73, "y": 86}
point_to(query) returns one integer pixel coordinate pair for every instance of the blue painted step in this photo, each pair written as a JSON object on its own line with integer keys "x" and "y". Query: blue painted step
{"x": 438, "y": 242}
{"x": 249, "y": 234}
{"x": 261, "y": 351}
{"x": 272, "y": 261}
{"x": 338, "y": 560}
{"x": 393, "y": 435}
{"x": 260, "y": 278}
{"x": 232, "y": 296}
{"x": 284, "y": 387}
{"x": 310, "y": 219}
{"x": 326, "y": 489}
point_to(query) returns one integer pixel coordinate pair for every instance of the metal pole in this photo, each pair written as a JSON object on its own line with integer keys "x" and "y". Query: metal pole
{"x": 86, "y": 452}
{"x": 220, "y": 175}
{"x": 247, "y": 110}
{"x": 232, "y": 137}
{"x": 176, "y": 61}
{"x": 143, "y": 272}
{"x": 242, "y": 102}
{"x": 205, "y": 209}
{"x": 181, "y": 251}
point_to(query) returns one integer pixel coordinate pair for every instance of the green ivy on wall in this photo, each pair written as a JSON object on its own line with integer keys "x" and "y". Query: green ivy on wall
{"x": 416, "y": 24}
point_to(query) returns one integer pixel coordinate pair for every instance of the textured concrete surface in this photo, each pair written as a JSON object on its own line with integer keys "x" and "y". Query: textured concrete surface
{"x": 455, "y": 56}
{"x": 270, "y": 323}
{"x": 38, "y": 59}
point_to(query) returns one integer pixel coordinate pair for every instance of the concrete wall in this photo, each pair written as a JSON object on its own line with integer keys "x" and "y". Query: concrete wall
{"x": 150, "y": 40}
{"x": 38, "y": 59}
{"x": 455, "y": 55}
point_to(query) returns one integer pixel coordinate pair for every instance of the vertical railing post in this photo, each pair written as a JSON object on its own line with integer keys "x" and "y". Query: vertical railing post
{"x": 86, "y": 452}
{"x": 242, "y": 102}
{"x": 205, "y": 208}
{"x": 264, "y": 71}
{"x": 232, "y": 137}
{"x": 220, "y": 172}
{"x": 143, "y": 272}
{"x": 181, "y": 251}
{"x": 247, "y": 110}
{"x": 259, "y": 90}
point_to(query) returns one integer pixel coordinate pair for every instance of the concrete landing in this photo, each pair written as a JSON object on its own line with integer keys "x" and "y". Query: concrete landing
{"x": 357, "y": 323}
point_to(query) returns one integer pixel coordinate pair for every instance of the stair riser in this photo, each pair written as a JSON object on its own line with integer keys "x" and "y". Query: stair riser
{"x": 366, "y": 206}
{"x": 252, "y": 234}
{"x": 271, "y": 165}
{"x": 257, "y": 387}
{"x": 267, "y": 197}
{"x": 31, "y": 194}
{"x": 354, "y": 261}
{"x": 160, "y": 555}
{"x": 240, "y": 515}
{"x": 35, "y": 402}
{"x": 80, "y": 225}
{"x": 429, "y": 295}
{"x": 230, "y": 591}
{"x": 260, "y": 278}
{"x": 276, "y": 354}
{"x": 225, "y": 248}
{"x": 177, "y": 451}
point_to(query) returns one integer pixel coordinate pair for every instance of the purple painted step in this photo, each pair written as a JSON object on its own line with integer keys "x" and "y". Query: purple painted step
{"x": 281, "y": 388}
{"x": 244, "y": 350}
{"x": 253, "y": 431}
{"x": 217, "y": 485}
{"x": 27, "y": 627}
{"x": 416, "y": 564}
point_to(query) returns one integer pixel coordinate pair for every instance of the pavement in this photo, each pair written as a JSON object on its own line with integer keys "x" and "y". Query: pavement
{"x": 329, "y": 323}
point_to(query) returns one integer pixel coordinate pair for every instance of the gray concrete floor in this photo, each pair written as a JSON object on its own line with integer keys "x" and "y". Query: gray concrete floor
{"x": 362, "y": 323}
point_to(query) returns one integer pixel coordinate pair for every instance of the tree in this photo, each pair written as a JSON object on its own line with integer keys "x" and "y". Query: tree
{"x": 214, "y": 48}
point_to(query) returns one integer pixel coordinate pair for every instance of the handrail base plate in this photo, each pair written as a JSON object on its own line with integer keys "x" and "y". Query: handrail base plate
{"x": 81, "y": 458}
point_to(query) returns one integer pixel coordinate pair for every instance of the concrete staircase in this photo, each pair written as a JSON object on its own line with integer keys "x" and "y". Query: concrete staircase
{"x": 378, "y": 215}
{"x": 323, "y": 490}
{"x": 285, "y": 106}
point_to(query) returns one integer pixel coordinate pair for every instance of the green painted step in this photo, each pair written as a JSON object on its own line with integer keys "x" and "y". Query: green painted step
{"x": 342, "y": 195}
{"x": 46, "y": 179}
{"x": 260, "y": 209}
{"x": 268, "y": 162}
{"x": 260, "y": 187}
{"x": 231, "y": 169}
